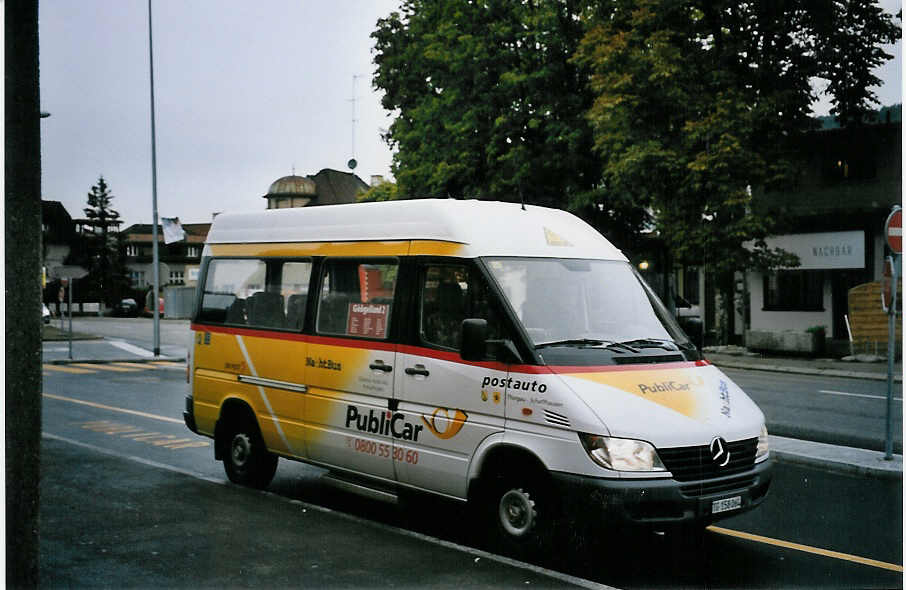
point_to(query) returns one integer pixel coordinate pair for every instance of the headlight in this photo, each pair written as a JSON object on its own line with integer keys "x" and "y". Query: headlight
{"x": 762, "y": 449}
{"x": 621, "y": 454}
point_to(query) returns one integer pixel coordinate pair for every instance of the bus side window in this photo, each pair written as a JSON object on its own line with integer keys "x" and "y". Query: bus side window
{"x": 356, "y": 297}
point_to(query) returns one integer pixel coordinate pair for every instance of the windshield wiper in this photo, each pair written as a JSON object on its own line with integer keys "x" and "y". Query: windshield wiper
{"x": 651, "y": 343}
{"x": 590, "y": 342}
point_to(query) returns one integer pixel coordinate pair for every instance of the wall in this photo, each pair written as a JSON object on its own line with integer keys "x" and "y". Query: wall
{"x": 779, "y": 321}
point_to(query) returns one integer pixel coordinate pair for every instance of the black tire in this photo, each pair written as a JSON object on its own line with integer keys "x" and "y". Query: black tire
{"x": 246, "y": 459}
{"x": 521, "y": 514}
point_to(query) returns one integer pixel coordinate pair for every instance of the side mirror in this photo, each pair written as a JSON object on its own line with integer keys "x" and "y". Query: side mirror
{"x": 474, "y": 339}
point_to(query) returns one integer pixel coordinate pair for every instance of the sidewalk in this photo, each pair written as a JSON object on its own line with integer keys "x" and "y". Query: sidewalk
{"x": 109, "y": 521}
{"x": 805, "y": 366}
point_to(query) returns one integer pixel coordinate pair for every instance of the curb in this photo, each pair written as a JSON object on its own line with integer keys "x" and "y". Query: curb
{"x": 169, "y": 359}
{"x": 836, "y": 459}
{"x": 807, "y": 371}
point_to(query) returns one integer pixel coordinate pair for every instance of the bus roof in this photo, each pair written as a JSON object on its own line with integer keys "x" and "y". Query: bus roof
{"x": 481, "y": 228}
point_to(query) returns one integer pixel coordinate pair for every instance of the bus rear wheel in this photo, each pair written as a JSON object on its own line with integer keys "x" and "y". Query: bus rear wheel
{"x": 247, "y": 461}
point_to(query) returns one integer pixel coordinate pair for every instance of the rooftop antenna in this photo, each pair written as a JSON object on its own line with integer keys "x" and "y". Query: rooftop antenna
{"x": 355, "y": 80}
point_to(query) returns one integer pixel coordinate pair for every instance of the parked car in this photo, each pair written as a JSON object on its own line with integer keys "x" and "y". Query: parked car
{"x": 689, "y": 317}
{"x": 148, "y": 311}
{"x": 126, "y": 308}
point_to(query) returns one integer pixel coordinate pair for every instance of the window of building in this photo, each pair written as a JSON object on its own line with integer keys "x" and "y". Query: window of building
{"x": 258, "y": 293}
{"x": 690, "y": 285}
{"x": 193, "y": 252}
{"x": 133, "y": 250}
{"x": 794, "y": 290}
{"x": 356, "y": 297}
{"x": 137, "y": 278}
{"x": 177, "y": 277}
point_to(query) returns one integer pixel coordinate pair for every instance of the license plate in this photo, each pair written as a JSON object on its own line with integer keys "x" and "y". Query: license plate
{"x": 726, "y": 504}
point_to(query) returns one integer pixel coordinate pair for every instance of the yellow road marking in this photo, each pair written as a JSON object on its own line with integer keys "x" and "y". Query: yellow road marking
{"x": 807, "y": 549}
{"x": 136, "y": 365}
{"x": 112, "y": 408}
{"x": 67, "y": 369}
{"x": 104, "y": 367}
{"x": 168, "y": 441}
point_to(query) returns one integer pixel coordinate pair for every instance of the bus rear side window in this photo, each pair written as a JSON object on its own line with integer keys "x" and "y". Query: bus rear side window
{"x": 256, "y": 293}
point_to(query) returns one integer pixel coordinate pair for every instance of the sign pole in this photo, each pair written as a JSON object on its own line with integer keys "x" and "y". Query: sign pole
{"x": 893, "y": 232}
{"x": 891, "y": 352}
{"x": 71, "y": 285}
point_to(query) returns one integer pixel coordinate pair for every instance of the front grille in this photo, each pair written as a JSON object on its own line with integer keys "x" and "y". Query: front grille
{"x": 706, "y": 488}
{"x": 694, "y": 463}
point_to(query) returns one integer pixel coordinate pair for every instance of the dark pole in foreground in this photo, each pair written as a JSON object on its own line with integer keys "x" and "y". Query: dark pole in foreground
{"x": 22, "y": 294}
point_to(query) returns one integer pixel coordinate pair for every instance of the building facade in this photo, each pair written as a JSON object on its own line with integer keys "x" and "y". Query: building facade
{"x": 834, "y": 221}
{"x": 179, "y": 261}
{"x": 327, "y": 187}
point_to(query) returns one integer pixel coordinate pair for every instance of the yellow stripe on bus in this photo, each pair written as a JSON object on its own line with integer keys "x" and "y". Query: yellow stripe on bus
{"x": 391, "y": 248}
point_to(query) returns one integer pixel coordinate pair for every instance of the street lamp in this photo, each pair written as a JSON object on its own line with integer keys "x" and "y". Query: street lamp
{"x": 154, "y": 248}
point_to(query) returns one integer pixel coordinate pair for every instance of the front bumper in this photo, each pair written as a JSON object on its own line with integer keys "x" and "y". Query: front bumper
{"x": 663, "y": 501}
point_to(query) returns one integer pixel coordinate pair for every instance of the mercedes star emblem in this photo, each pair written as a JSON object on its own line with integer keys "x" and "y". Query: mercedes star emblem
{"x": 719, "y": 453}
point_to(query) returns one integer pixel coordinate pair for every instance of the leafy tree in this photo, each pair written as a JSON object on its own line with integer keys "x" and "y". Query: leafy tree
{"x": 698, "y": 106}
{"x": 385, "y": 191}
{"x": 108, "y": 274}
{"x": 489, "y": 104}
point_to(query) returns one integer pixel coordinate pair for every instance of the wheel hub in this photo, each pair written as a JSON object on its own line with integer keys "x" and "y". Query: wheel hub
{"x": 240, "y": 449}
{"x": 517, "y": 512}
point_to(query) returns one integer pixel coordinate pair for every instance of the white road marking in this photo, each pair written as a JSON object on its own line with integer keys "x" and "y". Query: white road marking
{"x": 122, "y": 345}
{"x": 848, "y": 394}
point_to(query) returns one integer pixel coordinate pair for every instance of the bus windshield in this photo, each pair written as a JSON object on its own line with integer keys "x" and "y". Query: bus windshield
{"x": 603, "y": 302}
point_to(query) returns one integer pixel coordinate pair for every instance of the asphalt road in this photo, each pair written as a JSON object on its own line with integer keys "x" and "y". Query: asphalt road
{"x": 834, "y": 410}
{"x": 816, "y": 529}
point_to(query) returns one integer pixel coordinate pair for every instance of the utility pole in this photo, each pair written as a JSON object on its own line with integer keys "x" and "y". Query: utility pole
{"x": 22, "y": 293}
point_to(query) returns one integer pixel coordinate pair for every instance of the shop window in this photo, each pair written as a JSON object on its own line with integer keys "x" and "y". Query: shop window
{"x": 794, "y": 290}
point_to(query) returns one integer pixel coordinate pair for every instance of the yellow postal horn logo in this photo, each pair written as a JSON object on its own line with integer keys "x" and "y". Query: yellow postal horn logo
{"x": 443, "y": 425}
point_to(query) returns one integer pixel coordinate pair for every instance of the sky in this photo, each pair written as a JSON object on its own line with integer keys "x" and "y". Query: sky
{"x": 245, "y": 93}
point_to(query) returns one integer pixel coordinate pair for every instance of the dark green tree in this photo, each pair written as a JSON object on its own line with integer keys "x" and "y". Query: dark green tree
{"x": 108, "y": 275}
{"x": 489, "y": 104}
{"x": 698, "y": 107}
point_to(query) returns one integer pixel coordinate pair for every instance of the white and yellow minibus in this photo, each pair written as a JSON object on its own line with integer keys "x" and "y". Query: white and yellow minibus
{"x": 509, "y": 357}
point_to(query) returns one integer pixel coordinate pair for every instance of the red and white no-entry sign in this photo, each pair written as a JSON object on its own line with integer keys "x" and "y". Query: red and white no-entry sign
{"x": 893, "y": 230}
